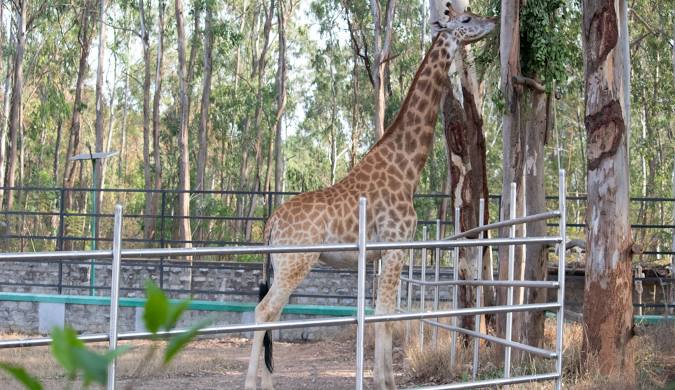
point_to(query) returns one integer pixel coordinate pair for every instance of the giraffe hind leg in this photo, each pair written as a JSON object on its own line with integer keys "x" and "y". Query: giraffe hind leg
{"x": 290, "y": 271}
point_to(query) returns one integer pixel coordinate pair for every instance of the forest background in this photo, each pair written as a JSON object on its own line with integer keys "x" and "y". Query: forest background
{"x": 277, "y": 95}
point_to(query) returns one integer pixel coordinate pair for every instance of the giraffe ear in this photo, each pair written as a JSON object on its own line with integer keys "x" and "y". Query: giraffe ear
{"x": 449, "y": 11}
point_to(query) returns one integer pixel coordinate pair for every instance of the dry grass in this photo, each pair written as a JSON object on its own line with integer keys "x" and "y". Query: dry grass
{"x": 654, "y": 348}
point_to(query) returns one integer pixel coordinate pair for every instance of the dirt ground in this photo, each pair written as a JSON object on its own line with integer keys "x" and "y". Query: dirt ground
{"x": 216, "y": 363}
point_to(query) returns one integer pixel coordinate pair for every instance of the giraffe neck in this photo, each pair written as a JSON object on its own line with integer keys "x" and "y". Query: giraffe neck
{"x": 407, "y": 142}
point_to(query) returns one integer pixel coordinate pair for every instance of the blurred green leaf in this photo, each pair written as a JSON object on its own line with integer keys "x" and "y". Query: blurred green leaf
{"x": 156, "y": 309}
{"x": 74, "y": 356}
{"x": 64, "y": 341}
{"x": 20, "y": 374}
{"x": 175, "y": 312}
{"x": 179, "y": 341}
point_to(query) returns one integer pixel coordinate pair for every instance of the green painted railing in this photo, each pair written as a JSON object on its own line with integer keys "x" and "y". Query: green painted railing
{"x": 318, "y": 310}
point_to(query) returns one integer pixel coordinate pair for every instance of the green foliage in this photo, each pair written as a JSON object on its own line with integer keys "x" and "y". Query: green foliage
{"x": 23, "y": 377}
{"x": 159, "y": 313}
{"x": 179, "y": 341}
{"x": 75, "y": 357}
{"x": 548, "y": 39}
{"x": 156, "y": 308}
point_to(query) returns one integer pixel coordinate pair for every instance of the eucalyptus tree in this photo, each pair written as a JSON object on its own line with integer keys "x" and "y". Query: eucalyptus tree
{"x": 99, "y": 163}
{"x": 466, "y": 179}
{"x": 5, "y": 99}
{"x": 608, "y": 309}
{"x": 183, "y": 206}
{"x": 206, "y": 97}
{"x": 85, "y": 24}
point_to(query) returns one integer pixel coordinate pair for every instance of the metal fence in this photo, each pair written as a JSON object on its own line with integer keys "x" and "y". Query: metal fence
{"x": 52, "y": 225}
{"x": 116, "y": 254}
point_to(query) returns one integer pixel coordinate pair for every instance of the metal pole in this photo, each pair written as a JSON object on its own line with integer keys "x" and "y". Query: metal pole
{"x": 62, "y": 222}
{"x": 437, "y": 273}
{"x": 92, "y": 270}
{"x": 161, "y": 240}
{"x": 561, "y": 278}
{"x": 361, "y": 292}
{"x": 423, "y": 290}
{"x": 411, "y": 262}
{"x": 672, "y": 255}
{"x": 509, "y": 293}
{"x": 479, "y": 290}
{"x": 115, "y": 292}
{"x": 59, "y": 244}
{"x": 455, "y": 292}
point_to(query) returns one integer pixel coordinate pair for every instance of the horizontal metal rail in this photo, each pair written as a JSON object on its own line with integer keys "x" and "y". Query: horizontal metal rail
{"x": 212, "y": 251}
{"x": 496, "y": 283}
{"x": 497, "y": 340}
{"x": 493, "y": 382}
{"x": 294, "y": 324}
{"x": 510, "y": 222}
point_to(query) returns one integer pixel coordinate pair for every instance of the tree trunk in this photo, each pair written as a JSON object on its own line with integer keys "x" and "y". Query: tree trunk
{"x": 5, "y": 121}
{"x": 206, "y": 95}
{"x": 536, "y": 254}
{"x": 513, "y": 154}
{"x": 99, "y": 136}
{"x": 111, "y": 124}
{"x": 183, "y": 207}
{"x": 194, "y": 43}
{"x": 281, "y": 104}
{"x": 121, "y": 166}
{"x": 257, "y": 118}
{"x": 204, "y": 117}
{"x": 70, "y": 168}
{"x": 57, "y": 151}
{"x": 381, "y": 53}
{"x": 148, "y": 218}
{"x": 608, "y": 309}
{"x": 16, "y": 110}
{"x": 156, "y": 147}
{"x": 355, "y": 112}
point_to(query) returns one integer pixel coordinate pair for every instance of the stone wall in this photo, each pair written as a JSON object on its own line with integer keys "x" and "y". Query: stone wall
{"x": 226, "y": 282}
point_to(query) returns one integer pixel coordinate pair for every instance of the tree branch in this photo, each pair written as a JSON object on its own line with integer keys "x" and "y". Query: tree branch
{"x": 121, "y": 28}
{"x": 528, "y": 82}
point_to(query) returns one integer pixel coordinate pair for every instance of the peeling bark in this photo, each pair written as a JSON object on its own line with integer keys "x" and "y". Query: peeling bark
{"x": 608, "y": 310}
{"x": 536, "y": 255}
{"x": 513, "y": 152}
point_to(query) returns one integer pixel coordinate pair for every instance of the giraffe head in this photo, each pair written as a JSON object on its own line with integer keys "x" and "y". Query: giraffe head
{"x": 465, "y": 27}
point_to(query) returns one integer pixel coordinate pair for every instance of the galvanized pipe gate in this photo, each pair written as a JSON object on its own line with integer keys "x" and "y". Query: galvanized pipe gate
{"x": 117, "y": 253}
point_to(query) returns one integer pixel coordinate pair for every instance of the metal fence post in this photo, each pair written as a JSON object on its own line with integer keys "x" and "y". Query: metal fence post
{"x": 455, "y": 291}
{"x": 437, "y": 273}
{"x": 411, "y": 264}
{"x": 61, "y": 234}
{"x": 479, "y": 289}
{"x": 509, "y": 293}
{"x": 161, "y": 239}
{"x": 361, "y": 292}
{"x": 114, "y": 291}
{"x": 561, "y": 278}
{"x": 423, "y": 290}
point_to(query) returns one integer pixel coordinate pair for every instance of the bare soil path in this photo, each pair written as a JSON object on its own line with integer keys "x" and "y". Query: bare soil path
{"x": 214, "y": 363}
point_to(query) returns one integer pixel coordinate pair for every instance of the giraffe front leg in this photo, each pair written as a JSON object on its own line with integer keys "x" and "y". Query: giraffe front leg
{"x": 392, "y": 262}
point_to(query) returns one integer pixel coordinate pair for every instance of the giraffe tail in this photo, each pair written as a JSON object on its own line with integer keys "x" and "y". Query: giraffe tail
{"x": 267, "y": 340}
{"x": 264, "y": 288}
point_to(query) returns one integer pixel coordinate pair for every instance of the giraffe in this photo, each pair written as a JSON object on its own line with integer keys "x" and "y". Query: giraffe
{"x": 387, "y": 176}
